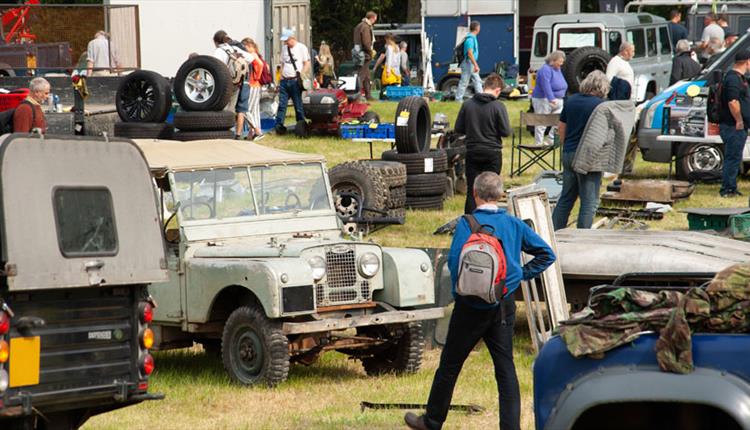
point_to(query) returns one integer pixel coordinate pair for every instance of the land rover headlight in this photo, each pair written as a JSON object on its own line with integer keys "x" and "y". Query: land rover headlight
{"x": 369, "y": 264}
{"x": 318, "y": 267}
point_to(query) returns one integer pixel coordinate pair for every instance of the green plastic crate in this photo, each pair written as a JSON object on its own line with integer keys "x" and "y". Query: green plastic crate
{"x": 707, "y": 222}
{"x": 740, "y": 226}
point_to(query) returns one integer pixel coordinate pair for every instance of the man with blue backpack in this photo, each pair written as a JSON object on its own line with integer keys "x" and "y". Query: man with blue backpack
{"x": 485, "y": 265}
{"x": 468, "y": 55}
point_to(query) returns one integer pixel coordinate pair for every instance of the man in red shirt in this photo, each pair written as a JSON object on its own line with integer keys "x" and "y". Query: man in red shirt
{"x": 29, "y": 114}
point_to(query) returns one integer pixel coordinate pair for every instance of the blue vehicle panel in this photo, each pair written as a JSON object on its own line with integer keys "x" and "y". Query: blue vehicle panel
{"x": 680, "y": 89}
{"x": 495, "y": 41}
{"x": 442, "y": 32}
{"x": 555, "y": 368}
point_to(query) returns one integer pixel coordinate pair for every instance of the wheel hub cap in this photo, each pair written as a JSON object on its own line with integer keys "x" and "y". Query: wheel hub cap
{"x": 199, "y": 85}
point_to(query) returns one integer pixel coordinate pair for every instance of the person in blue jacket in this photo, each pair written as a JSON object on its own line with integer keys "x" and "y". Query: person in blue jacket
{"x": 474, "y": 319}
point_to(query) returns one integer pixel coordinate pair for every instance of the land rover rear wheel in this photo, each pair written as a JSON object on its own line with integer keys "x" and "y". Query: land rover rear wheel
{"x": 402, "y": 355}
{"x": 254, "y": 350}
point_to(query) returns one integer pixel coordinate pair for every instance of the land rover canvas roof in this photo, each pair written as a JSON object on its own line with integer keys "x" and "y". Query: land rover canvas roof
{"x": 609, "y": 20}
{"x": 207, "y": 154}
{"x": 77, "y": 212}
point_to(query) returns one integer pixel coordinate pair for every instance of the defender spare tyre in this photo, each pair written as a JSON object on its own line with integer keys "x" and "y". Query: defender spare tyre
{"x": 204, "y": 121}
{"x": 435, "y": 160}
{"x": 581, "y": 62}
{"x": 394, "y": 173}
{"x": 413, "y": 125}
{"x": 144, "y": 130}
{"x": 143, "y": 96}
{"x": 354, "y": 179}
{"x": 203, "y": 83}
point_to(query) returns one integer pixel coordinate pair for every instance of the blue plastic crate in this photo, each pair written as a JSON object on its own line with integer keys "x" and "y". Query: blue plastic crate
{"x": 397, "y": 93}
{"x": 390, "y": 129}
{"x": 267, "y": 124}
{"x": 352, "y": 131}
{"x": 378, "y": 132}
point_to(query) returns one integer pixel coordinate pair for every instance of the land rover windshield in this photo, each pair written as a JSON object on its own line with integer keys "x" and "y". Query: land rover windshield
{"x": 251, "y": 191}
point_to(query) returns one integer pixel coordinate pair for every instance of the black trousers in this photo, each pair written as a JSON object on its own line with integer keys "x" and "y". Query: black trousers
{"x": 467, "y": 326}
{"x": 478, "y": 161}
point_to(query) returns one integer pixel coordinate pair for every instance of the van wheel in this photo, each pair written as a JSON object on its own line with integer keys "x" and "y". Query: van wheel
{"x": 698, "y": 157}
{"x": 403, "y": 353}
{"x": 254, "y": 350}
{"x": 581, "y": 62}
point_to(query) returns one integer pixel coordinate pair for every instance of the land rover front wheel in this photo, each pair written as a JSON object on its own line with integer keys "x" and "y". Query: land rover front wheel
{"x": 254, "y": 349}
{"x": 402, "y": 353}
{"x": 699, "y": 159}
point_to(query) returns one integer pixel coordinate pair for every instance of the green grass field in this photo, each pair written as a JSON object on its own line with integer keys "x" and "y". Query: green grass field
{"x": 326, "y": 395}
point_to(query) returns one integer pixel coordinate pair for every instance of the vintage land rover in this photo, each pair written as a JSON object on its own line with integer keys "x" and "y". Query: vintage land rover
{"x": 260, "y": 273}
{"x": 80, "y": 243}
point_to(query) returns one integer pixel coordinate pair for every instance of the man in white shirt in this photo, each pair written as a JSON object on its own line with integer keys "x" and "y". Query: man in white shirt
{"x": 619, "y": 67}
{"x": 712, "y": 32}
{"x": 101, "y": 58}
{"x": 295, "y": 60}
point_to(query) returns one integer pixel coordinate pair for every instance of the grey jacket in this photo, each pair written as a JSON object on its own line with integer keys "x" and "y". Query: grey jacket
{"x": 605, "y": 139}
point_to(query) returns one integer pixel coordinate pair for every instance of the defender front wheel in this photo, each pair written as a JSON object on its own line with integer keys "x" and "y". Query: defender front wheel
{"x": 402, "y": 355}
{"x": 254, "y": 350}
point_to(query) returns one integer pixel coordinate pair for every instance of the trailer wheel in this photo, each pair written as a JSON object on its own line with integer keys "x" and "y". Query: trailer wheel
{"x": 203, "y": 83}
{"x": 581, "y": 62}
{"x": 254, "y": 349}
{"x": 413, "y": 125}
{"x": 401, "y": 355}
{"x": 698, "y": 157}
{"x": 143, "y": 96}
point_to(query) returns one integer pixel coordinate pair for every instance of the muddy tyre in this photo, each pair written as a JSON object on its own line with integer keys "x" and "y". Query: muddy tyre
{"x": 427, "y": 184}
{"x": 143, "y": 130}
{"x": 363, "y": 180}
{"x": 402, "y": 355}
{"x": 394, "y": 173}
{"x": 397, "y": 197}
{"x": 413, "y": 125}
{"x": 187, "y": 136}
{"x": 203, "y": 83}
{"x": 435, "y": 160}
{"x": 254, "y": 349}
{"x": 424, "y": 202}
{"x": 204, "y": 121}
{"x": 143, "y": 96}
{"x": 581, "y": 62}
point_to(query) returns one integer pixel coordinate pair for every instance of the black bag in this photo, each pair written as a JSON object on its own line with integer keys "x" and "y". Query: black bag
{"x": 713, "y": 104}
{"x": 6, "y": 118}
{"x": 458, "y": 52}
{"x": 294, "y": 65}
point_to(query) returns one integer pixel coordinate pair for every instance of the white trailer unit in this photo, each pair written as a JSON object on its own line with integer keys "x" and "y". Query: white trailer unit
{"x": 170, "y": 30}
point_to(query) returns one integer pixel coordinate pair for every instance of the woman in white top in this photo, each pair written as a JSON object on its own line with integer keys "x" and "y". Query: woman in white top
{"x": 391, "y": 60}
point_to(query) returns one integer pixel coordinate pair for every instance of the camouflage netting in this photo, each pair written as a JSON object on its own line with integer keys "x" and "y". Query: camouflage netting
{"x": 619, "y": 316}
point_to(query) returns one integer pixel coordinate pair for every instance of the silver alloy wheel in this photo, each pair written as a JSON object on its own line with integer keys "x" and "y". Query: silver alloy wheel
{"x": 199, "y": 85}
{"x": 705, "y": 158}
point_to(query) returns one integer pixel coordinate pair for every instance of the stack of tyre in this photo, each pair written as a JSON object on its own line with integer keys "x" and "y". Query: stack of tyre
{"x": 426, "y": 179}
{"x": 378, "y": 186}
{"x": 203, "y": 88}
{"x": 143, "y": 101}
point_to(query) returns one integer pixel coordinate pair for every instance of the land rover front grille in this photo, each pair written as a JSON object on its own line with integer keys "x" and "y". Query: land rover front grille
{"x": 342, "y": 284}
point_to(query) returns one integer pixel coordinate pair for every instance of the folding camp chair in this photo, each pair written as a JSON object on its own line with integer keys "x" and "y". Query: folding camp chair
{"x": 535, "y": 154}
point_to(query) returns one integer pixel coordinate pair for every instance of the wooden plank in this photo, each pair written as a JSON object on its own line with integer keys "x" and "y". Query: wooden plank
{"x": 391, "y": 317}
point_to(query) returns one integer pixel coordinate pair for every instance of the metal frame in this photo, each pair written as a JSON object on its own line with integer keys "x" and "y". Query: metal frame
{"x": 535, "y": 153}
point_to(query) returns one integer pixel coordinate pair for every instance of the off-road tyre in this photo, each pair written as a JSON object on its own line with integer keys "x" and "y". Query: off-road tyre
{"x": 426, "y": 184}
{"x": 397, "y": 197}
{"x": 413, "y": 125}
{"x": 581, "y": 62}
{"x": 248, "y": 328}
{"x": 186, "y": 136}
{"x": 359, "y": 178}
{"x": 370, "y": 117}
{"x": 394, "y": 173}
{"x": 204, "y": 121}
{"x": 698, "y": 158}
{"x": 143, "y": 96}
{"x": 424, "y": 202}
{"x": 143, "y": 130}
{"x": 214, "y": 98}
{"x": 415, "y": 163}
{"x": 402, "y": 356}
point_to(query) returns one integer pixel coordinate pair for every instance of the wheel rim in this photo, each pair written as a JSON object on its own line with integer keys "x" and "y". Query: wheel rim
{"x": 138, "y": 99}
{"x": 704, "y": 158}
{"x": 199, "y": 85}
{"x": 346, "y": 205}
{"x": 248, "y": 353}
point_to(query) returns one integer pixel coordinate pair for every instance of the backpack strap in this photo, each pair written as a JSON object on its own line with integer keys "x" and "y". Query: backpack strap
{"x": 475, "y": 227}
{"x": 291, "y": 57}
{"x": 33, "y": 111}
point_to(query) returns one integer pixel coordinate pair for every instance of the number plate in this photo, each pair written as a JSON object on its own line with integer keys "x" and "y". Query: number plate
{"x": 24, "y": 361}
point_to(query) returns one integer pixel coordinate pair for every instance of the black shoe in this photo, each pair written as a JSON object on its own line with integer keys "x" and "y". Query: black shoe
{"x": 280, "y": 129}
{"x": 729, "y": 195}
{"x": 414, "y": 421}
